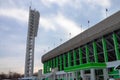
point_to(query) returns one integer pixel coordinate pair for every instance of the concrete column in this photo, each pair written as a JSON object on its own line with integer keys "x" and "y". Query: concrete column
{"x": 69, "y": 76}
{"x": 119, "y": 72}
{"x": 92, "y": 76}
{"x": 105, "y": 74}
{"x": 54, "y": 76}
{"x": 73, "y": 75}
{"x": 57, "y": 76}
{"x": 76, "y": 75}
{"x": 66, "y": 77}
{"x": 82, "y": 74}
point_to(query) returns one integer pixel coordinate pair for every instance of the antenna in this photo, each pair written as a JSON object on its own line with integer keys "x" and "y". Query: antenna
{"x": 54, "y": 44}
{"x": 88, "y": 23}
{"x": 60, "y": 40}
{"x": 48, "y": 48}
{"x": 106, "y": 12}
{"x": 69, "y": 35}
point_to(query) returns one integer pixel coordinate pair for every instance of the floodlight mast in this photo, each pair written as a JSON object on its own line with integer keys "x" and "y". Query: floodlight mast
{"x": 32, "y": 33}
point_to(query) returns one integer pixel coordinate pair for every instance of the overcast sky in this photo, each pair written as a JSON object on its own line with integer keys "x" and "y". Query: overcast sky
{"x": 58, "y": 18}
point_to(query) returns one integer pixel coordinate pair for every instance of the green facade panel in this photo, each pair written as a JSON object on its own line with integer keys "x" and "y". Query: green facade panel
{"x": 53, "y": 62}
{"x": 57, "y": 61}
{"x": 88, "y": 65}
{"x": 80, "y": 56}
{"x": 87, "y": 54}
{"x": 105, "y": 49}
{"x": 85, "y": 67}
{"x": 116, "y": 46}
{"x": 60, "y": 62}
{"x": 64, "y": 60}
{"x": 69, "y": 59}
{"x": 74, "y": 57}
{"x": 95, "y": 52}
{"x": 48, "y": 66}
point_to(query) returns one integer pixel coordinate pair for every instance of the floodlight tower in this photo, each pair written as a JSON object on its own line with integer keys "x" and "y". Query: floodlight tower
{"x": 32, "y": 33}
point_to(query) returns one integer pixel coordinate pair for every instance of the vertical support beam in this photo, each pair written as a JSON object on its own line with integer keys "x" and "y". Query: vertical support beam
{"x": 64, "y": 60}
{"x": 82, "y": 74}
{"x": 80, "y": 56}
{"x": 116, "y": 46}
{"x": 60, "y": 62}
{"x": 44, "y": 67}
{"x": 87, "y": 54}
{"x": 105, "y": 74}
{"x": 66, "y": 76}
{"x": 74, "y": 57}
{"x": 76, "y": 76}
{"x": 54, "y": 62}
{"x": 69, "y": 59}
{"x": 73, "y": 75}
{"x": 105, "y": 49}
{"x": 70, "y": 76}
{"x": 48, "y": 66}
{"x": 92, "y": 74}
{"x": 95, "y": 52}
{"x": 51, "y": 63}
{"x": 57, "y": 62}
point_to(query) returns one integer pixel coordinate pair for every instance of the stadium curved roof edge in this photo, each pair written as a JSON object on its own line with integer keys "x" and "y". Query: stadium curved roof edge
{"x": 106, "y": 26}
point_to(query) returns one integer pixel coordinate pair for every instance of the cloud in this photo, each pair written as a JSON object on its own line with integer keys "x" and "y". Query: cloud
{"x": 60, "y": 22}
{"x": 68, "y": 25}
{"x": 77, "y": 3}
{"x": 47, "y": 24}
{"x": 18, "y": 14}
{"x": 58, "y": 2}
{"x": 102, "y": 3}
{"x": 62, "y": 3}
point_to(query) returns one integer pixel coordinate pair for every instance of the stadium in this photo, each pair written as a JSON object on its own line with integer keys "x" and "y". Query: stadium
{"x": 92, "y": 55}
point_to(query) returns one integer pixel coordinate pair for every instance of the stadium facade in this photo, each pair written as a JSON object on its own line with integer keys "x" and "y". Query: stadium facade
{"x": 92, "y": 55}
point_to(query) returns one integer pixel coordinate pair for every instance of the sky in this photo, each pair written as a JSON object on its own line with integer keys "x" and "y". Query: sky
{"x": 60, "y": 20}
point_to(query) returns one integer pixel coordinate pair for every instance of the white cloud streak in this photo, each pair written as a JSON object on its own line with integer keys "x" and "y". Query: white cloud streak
{"x": 77, "y": 3}
{"x": 18, "y": 14}
{"x": 62, "y": 3}
{"x": 102, "y": 3}
{"x": 60, "y": 22}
